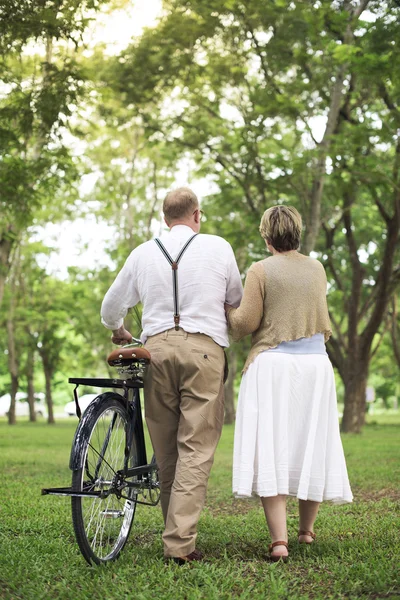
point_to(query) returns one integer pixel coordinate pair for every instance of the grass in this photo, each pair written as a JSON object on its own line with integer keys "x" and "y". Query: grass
{"x": 357, "y": 554}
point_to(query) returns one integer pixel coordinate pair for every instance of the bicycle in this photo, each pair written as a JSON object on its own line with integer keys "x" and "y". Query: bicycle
{"x": 109, "y": 460}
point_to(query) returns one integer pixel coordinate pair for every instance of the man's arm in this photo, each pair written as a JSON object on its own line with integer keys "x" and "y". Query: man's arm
{"x": 121, "y": 296}
{"x": 234, "y": 286}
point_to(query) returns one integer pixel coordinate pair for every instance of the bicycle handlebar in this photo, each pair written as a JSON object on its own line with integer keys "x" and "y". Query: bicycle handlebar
{"x": 134, "y": 341}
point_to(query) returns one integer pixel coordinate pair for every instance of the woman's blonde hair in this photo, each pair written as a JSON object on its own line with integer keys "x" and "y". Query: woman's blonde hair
{"x": 179, "y": 204}
{"x": 281, "y": 227}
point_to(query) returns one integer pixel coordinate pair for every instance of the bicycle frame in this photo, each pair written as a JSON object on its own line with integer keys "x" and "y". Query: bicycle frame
{"x": 131, "y": 401}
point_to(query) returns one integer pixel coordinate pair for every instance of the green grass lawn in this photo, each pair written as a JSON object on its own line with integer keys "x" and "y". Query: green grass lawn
{"x": 357, "y": 554}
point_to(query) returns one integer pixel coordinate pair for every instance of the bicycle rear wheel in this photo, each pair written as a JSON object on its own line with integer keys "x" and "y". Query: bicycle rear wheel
{"x": 102, "y": 525}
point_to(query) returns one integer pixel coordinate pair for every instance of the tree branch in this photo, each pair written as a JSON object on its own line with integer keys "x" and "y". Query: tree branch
{"x": 394, "y": 280}
{"x": 386, "y": 97}
{"x": 338, "y": 332}
{"x": 349, "y": 197}
{"x": 360, "y": 8}
{"x": 313, "y": 220}
{"x": 336, "y": 356}
{"x": 386, "y": 217}
{"x": 368, "y": 303}
{"x": 330, "y": 232}
{"x": 387, "y": 280}
{"x": 267, "y": 75}
{"x": 381, "y": 336}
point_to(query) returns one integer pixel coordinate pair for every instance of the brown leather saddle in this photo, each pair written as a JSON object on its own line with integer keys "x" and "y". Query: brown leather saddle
{"x": 128, "y": 356}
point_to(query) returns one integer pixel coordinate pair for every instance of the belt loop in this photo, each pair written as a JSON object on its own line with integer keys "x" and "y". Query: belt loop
{"x": 185, "y": 334}
{"x": 165, "y": 335}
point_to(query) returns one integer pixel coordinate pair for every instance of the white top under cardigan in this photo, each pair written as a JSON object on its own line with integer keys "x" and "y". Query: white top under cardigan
{"x": 311, "y": 345}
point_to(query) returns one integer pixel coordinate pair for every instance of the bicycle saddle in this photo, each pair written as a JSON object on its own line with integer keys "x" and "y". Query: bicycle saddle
{"x": 127, "y": 356}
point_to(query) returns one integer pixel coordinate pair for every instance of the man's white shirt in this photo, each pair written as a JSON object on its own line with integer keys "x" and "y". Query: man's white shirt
{"x": 208, "y": 276}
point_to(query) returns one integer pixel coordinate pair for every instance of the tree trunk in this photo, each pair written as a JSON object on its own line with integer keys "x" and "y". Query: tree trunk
{"x": 14, "y": 389}
{"x": 355, "y": 385}
{"x": 30, "y": 365}
{"x": 152, "y": 213}
{"x": 13, "y": 368}
{"x": 229, "y": 388}
{"x": 48, "y": 373}
{"x": 6, "y": 245}
{"x": 394, "y": 331}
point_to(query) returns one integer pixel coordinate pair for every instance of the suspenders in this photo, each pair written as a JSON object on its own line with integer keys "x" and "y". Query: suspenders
{"x": 174, "y": 267}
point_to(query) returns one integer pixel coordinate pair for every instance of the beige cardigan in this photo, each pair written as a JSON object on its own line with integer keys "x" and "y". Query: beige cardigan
{"x": 284, "y": 299}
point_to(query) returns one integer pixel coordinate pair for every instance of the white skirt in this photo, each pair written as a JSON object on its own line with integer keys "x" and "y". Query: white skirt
{"x": 287, "y": 438}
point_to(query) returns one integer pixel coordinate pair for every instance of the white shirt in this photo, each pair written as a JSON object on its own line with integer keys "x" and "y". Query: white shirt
{"x": 208, "y": 276}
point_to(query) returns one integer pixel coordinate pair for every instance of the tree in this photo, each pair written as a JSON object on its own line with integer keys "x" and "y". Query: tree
{"x": 37, "y": 95}
{"x": 37, "y": 309}
{"x": 250, "y": 83}
{"x": 365, "y": 213}
{"x": 13, "y": 358}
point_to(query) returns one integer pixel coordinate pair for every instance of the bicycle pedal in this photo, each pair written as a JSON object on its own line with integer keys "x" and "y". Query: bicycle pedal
{"x": 112, "y": 513}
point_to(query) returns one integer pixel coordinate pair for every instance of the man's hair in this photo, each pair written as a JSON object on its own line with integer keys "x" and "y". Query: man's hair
{"x": 281, "y": 227}
{"x": 179, "y": 204}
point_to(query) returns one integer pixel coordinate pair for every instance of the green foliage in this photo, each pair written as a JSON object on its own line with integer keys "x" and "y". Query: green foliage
{"x": 238, "y": 90}
{"x": 133, "y": 172}
{"x": 34, "y": 165}
{"x": 26, "y": 20}
{"x": 248, "y": 86}
{"x": 38, "y": 91}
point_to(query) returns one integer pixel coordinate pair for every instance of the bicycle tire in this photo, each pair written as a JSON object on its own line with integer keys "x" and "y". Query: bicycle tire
{"x": 102, "y": 526}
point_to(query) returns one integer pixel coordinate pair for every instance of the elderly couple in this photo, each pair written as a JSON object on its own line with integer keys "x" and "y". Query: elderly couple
{"x": 287, "y": 438}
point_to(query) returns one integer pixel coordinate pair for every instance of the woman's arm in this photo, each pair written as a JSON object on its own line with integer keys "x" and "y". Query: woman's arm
{"x": 247, "y": 318}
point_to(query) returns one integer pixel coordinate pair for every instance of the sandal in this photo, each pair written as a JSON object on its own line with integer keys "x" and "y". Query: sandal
{"x": 311, "y": 534}
{"x": 277, "y": 558}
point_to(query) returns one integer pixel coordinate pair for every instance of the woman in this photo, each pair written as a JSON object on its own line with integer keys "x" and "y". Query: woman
{"x": 287, "y": 439}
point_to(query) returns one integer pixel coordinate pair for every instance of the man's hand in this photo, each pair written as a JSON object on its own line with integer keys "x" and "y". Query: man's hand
{"x": 121, "y": 336}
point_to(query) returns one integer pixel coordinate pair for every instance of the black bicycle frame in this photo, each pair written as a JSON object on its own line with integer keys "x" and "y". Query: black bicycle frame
{"x": 131, "y": 401}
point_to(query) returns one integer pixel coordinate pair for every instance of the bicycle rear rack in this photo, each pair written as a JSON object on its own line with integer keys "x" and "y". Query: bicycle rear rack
{"x": 102, "y": 383}
{"x": 69, "y": 492}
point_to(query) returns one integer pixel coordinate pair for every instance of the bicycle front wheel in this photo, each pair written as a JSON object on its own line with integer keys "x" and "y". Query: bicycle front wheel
{"x": 102, "y": 525}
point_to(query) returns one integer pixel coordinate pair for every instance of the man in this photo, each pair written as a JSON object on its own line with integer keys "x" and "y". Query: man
{"x": 185, "y": 333}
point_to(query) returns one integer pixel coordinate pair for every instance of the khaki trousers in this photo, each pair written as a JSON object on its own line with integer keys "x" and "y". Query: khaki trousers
{"x": 184, "y": 406}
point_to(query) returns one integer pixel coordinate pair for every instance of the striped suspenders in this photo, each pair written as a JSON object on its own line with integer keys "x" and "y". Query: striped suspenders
{"x": 174, "y": 267}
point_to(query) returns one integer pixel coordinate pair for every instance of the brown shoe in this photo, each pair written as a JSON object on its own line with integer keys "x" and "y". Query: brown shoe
{"x": 196, "y": 555}
{"x": 302, "y": 534}
{"x": 277, "y": 557}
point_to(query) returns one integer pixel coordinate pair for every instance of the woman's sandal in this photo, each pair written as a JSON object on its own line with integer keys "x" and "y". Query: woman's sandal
{"x": 279, "y": 557}
{"x": 311, "y": 534}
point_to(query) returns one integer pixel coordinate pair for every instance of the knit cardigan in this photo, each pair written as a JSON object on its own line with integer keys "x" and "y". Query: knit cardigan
{"x": 284, "y": 299}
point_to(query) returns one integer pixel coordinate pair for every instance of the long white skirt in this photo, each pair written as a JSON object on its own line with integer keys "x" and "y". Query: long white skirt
{"x": 287, "y": 438}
